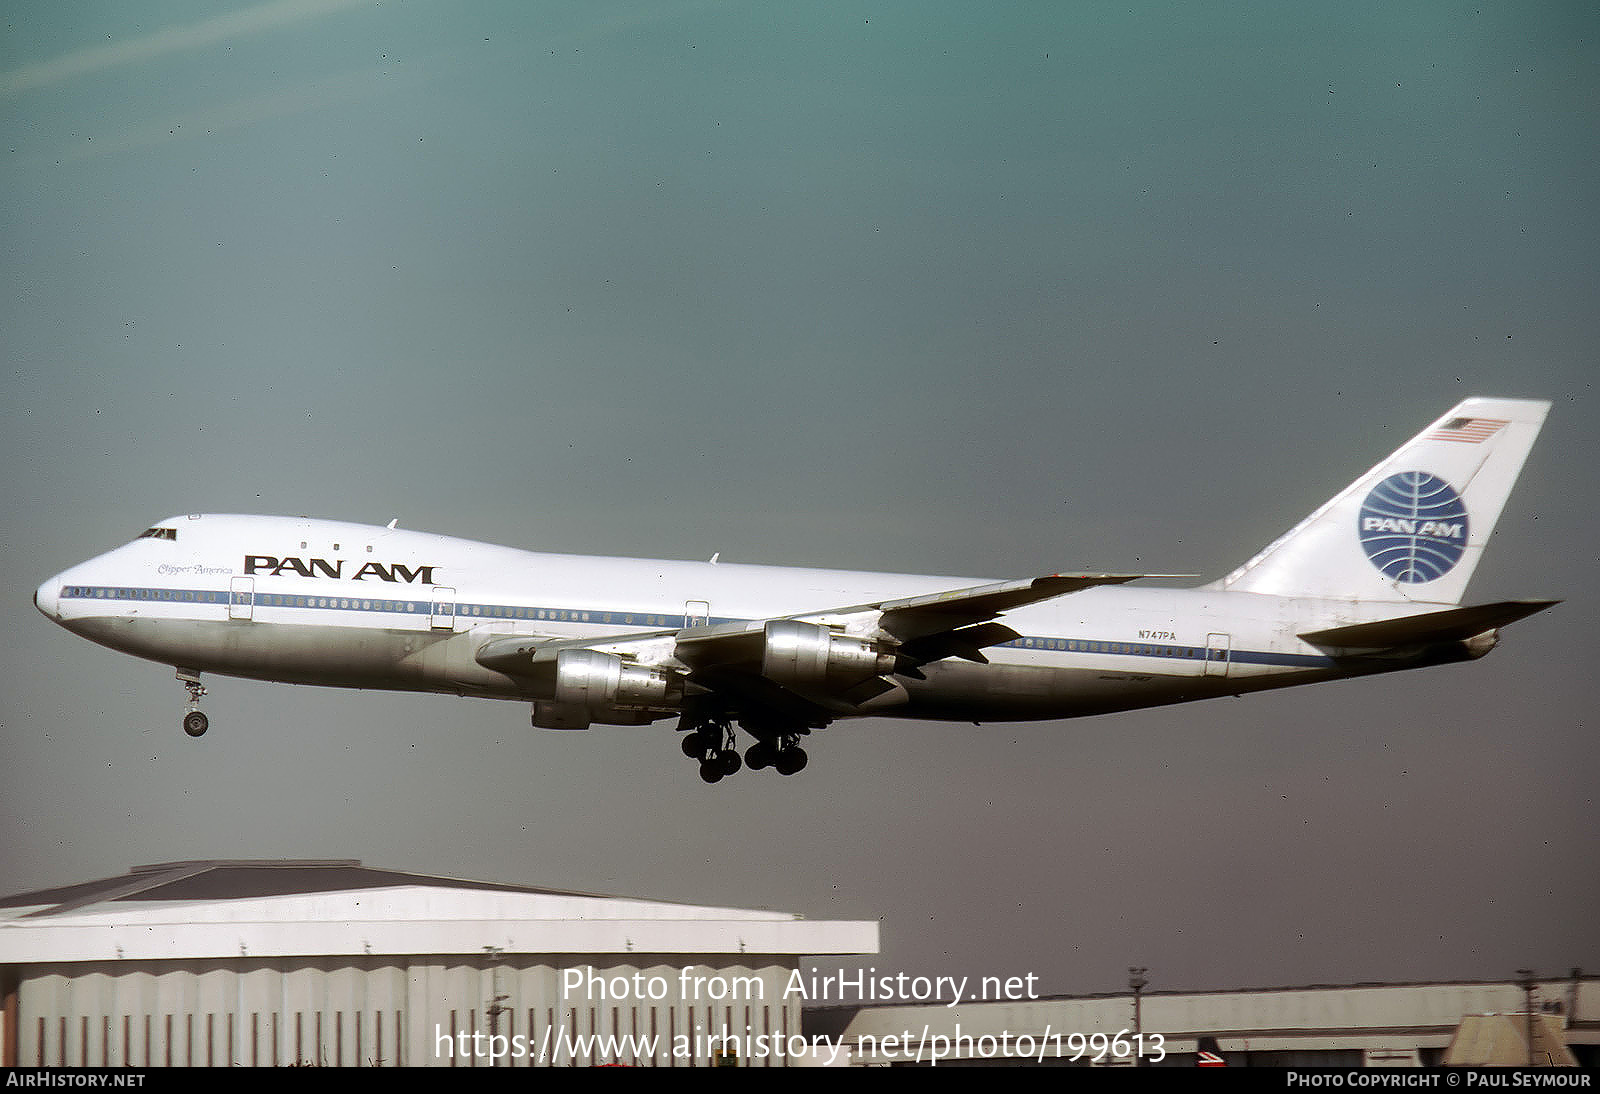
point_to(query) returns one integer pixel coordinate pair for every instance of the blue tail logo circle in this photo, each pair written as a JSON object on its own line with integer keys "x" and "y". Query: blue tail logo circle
{"x": 1413, "y": 527}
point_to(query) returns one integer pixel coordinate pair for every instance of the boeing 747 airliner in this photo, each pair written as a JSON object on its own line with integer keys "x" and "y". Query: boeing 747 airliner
{"x": 1371, "y": 582}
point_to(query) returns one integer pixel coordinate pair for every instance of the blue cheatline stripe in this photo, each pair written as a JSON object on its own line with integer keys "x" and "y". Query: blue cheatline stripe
{"x": 1166, "y": 651}
{"x": 1253, "y": 657}
{"x": 422, "y": 606}
{"x": 526, "y": 613}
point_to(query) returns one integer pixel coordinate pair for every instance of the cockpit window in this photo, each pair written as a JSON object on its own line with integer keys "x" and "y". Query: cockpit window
{"x": 159, "y": 533}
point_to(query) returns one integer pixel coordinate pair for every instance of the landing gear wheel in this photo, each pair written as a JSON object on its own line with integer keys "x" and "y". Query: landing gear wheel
{"x": 194, "y": 723}
{"x": 758, "y": 756}
{"x": 709, "y": 739}
{"x": 791, "y": 761}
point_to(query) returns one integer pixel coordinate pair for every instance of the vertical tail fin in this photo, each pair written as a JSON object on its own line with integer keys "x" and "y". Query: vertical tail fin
{"x": 1413, "y": 528}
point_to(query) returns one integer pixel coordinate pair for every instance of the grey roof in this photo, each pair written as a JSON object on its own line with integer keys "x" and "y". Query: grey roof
{"x": 237, "y": 879}
{"x": 217, "y": 908}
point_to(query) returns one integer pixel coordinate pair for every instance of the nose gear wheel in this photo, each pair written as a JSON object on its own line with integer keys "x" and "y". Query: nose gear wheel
{"x": 195, "y": 723}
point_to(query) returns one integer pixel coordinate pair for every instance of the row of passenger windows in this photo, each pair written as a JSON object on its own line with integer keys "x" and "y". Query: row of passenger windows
{"x": 499, "y": 611}
{"x": 1071, "y": 645}
{"x": 191, "y": 596}
{"x": 489, "y": 611}
{"x": 276, "y": 600}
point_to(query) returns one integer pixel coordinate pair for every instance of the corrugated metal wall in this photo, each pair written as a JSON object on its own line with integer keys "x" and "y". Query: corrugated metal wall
{"x": 416, "y": 1011}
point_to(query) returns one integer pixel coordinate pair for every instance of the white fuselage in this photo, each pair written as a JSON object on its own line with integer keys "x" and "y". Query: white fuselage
{"x": 347, "y": 605}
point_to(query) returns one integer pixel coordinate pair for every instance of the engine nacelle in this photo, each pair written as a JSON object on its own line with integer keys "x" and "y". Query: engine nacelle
{"x": 805, "y": 654}
{"x": 591, "y": 686}
{"x": 594, "y": 679}
{"x": 548, "y": 715}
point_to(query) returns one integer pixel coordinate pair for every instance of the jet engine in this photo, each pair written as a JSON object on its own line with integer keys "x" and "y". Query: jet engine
{"x": 591, "y": 686}
{"x": 805, "y": 654}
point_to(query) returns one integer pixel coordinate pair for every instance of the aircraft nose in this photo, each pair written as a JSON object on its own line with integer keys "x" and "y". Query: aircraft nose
{"x": 47, "y": 598}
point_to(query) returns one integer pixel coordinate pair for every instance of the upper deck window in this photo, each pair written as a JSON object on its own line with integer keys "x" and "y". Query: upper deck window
{"x": 159, "y": 533}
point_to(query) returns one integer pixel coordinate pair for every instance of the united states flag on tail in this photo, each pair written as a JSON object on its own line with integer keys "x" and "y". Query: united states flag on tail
{"x": 1468, "y": 430}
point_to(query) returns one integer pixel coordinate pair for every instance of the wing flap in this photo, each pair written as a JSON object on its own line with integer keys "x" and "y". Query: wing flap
{"x": 752, "y": 691}
{"x": 966, "y": 643}
{"x": 533, "y": 657}
{"x": 720, "y": 643}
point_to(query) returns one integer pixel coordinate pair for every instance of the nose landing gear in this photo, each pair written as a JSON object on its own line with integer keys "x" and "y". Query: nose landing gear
{"x": 195, "y": 723}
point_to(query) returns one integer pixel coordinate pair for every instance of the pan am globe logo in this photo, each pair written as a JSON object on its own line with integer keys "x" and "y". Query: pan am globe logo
{"x": 1414, "y": 527}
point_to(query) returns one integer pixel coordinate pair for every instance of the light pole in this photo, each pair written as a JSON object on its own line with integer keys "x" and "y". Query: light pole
{"x": 1525, "y": 980}
{"x": 1137, "y": 981}
{"x": 497, "y": 997}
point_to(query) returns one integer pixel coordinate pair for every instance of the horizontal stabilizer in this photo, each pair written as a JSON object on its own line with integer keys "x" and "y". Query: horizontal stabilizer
{"x": 1454, "y": 625}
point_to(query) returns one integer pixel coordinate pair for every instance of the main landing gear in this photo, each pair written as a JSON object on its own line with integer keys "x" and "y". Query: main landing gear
{"x": 781, "y": 753}
{"x": 195, "y": 723}
{"x": 711, "y": 741}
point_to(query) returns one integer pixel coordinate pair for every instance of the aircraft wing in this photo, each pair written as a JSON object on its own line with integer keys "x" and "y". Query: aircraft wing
{"x": 812, "y": 666}
{"x": 905, "y": 620}
{"x": 816, "y": 666}
{"x": 916, "y": 616}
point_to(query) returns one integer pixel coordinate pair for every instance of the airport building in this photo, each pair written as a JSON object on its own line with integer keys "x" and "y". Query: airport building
{"x": 1344, "y": 1026}
{"x": 334, "y": 963}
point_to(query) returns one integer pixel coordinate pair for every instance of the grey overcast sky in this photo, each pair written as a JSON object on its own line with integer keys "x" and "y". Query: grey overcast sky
{"x": 977, "y": 289}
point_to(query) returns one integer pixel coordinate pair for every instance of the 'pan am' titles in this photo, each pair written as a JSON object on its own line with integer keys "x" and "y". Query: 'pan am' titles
{"x": 321, "y": 567}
